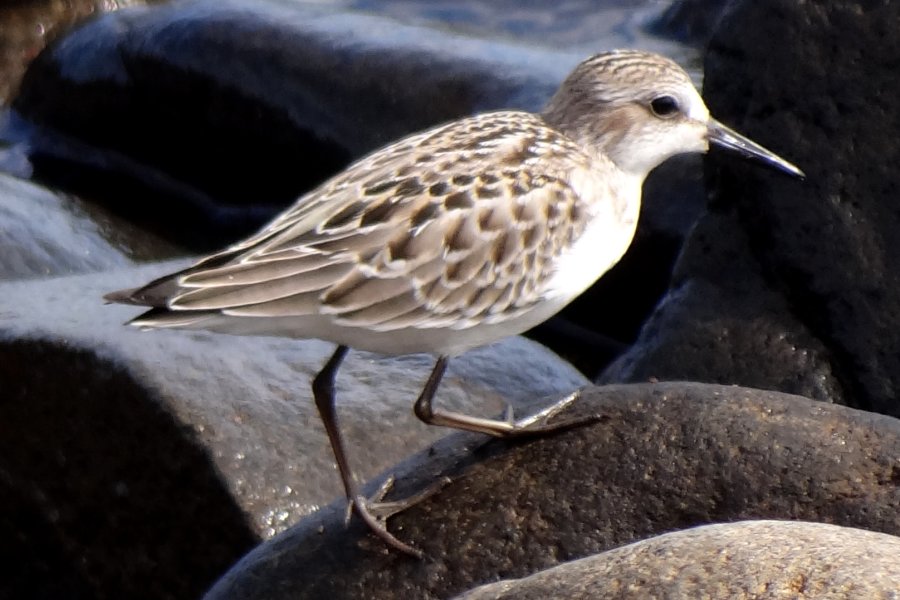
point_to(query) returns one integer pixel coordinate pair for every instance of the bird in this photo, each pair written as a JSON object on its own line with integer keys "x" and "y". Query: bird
{"x": 454, "y": 237}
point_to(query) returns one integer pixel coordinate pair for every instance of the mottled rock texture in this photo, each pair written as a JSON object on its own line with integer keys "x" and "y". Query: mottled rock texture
{"x": 751, "y": 560}
{"x": 658, "y": 458}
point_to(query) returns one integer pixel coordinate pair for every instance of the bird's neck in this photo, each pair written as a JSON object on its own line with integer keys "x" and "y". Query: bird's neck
{"x": 604, "y": 135}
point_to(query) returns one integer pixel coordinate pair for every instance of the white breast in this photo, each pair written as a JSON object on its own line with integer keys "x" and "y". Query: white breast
{"x": 616, "y": 206}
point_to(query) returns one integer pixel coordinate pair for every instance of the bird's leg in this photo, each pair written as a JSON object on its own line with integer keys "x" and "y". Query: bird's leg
{"x": 374, "y": 512}
{"x": 507, "y": 427}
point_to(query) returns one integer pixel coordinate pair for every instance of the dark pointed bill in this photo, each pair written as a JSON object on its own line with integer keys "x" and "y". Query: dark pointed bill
{"x": 722, "y": 136}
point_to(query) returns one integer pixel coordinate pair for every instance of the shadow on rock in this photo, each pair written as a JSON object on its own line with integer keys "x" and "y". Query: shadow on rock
{"x": 115, "y": 498}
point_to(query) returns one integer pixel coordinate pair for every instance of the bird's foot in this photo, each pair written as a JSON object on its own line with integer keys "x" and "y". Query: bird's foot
{"x": 536, "y": 424}
{"x": 539, "y": 422}
{"x": 375, "y": 511}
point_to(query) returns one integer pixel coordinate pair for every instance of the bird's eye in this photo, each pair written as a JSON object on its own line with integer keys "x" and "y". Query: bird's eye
{"x": 664, "y": 106}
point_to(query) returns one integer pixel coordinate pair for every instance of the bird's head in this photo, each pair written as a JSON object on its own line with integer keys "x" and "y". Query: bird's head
{"x": 639, "y": 109}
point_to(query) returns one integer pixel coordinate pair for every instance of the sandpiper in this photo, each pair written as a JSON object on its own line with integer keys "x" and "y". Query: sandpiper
{"x": 454, "y": 237}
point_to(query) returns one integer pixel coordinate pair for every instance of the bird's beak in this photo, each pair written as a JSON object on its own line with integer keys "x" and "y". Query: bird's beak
{"x": 727, "y": 138}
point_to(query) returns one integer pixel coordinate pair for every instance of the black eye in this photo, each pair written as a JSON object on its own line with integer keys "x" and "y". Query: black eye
{"x": 664, "y": 106}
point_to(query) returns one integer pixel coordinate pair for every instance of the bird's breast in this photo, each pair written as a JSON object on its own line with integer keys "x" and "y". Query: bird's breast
{"x": 611, "y": 208}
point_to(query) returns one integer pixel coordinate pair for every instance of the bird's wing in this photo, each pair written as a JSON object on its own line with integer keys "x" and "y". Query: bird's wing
{"x": 447, "y": 228}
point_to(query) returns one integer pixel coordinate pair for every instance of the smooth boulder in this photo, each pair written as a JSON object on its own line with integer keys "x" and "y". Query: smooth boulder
{"x": 648, "y": 459}
{"x": 750, "y": 560}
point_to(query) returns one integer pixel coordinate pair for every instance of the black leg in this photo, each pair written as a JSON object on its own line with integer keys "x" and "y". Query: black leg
{"x": 423, "y": 408}
{"x": 323, "y": 392}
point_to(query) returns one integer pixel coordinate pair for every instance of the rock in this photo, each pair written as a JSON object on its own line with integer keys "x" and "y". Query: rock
{"x": 48, "y": 234}
{"x": 158, "y": 458}
{"x": 248, "y": 398}
{"x": 36, "y": 563}
{"x": 721, "y": 323}
{"x": 658, "y": 458}
{"x": 789, "y": 285}
{"x": 44, "y": 236}
{"x": 691, "y": 21}
{"x": 129, "y": 97}
{"x": 119, "y": 497}
{"x": 27, "y": 26}
{"x": 762, "y": 560}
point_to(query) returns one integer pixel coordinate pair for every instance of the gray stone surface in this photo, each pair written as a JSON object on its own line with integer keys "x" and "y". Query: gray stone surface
{"x": 751, "y": 560}
{"x": 659, "y": 458}
{"x": 47, "y": 234}
{"x": 153, "y": 460}
{"x": 788, "y": 285}
{"x": 248, "y": 400}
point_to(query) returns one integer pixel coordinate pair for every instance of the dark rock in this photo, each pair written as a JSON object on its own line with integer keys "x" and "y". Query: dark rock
{"x": 660, "y": 458}
{"x": 121, "y": 499}
{"x": 762, "y": 560}
{"x": 791, "y": 284}
{"x": 35, "y": 558}
{"x": 225, "y": 131}
{"x": 47, "y": 234}
{"x": 721, "y": 323}
{"x": 691, "y": 21}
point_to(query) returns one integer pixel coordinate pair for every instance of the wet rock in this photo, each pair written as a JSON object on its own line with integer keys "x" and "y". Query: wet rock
{"x": 175, "y": 99}
{"x": 762, "y": 560}
{"x": 657, "y": 458}
{"x": 245, "y": 400}
{"x": 41, "y": 238}
{"x": 721, "y": 323}
{"x": 48, "y": 234}
{"x": 790, "y": 285}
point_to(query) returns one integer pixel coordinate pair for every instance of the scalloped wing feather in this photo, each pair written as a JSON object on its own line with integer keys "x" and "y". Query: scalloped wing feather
{"x": 451, "y": 227}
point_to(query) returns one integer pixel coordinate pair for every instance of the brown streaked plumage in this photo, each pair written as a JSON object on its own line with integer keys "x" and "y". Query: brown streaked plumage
{"x": 381, "y": 247}
{"x": 454, "y": 237}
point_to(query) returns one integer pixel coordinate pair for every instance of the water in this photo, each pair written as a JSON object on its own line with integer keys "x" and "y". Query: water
{"x": 580, "y": 26}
